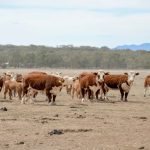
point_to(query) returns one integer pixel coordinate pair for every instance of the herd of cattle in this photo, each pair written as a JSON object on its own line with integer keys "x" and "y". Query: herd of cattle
{"x": 86, "y": 85}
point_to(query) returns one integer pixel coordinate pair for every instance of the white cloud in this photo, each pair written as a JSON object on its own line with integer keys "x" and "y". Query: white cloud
{"x": 77, "y": 26}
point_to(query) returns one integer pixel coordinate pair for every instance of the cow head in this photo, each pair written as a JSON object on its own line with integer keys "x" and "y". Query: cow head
{"x": 131, "y": 76}
{"x": 69, "y": 80}
{"x": 101, "y": 75}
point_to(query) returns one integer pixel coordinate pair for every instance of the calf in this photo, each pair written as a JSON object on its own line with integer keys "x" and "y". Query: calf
{"x": 68, "y": 83}
{"x": 76, "y": 89}
{"x": 121, "y": 82}
{"x": 146, "y": 84}
{"x": 12, "y": 84}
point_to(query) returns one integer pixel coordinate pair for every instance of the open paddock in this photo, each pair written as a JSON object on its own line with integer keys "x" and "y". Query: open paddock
{"x": 101, "y": 125}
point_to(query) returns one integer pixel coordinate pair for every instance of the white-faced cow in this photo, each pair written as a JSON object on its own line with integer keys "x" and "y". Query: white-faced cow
{"x": 121, "y": 82}
{"x": 90, "y": 83}
{"x": 50, "y": 84}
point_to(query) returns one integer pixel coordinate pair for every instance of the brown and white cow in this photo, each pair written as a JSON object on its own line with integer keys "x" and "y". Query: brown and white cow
{"x": 121, "y": 82}
{"x": 50, "y": 84}
{"x": 90, "y": 82}
{"x": 32, "y": 93}
{"x": 146, "y": 84}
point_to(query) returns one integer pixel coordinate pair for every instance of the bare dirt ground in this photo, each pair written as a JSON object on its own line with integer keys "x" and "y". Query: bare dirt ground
{"x": 111, "y": 125}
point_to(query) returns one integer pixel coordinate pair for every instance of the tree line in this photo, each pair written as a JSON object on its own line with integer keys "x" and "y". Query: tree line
{"x": 72, "y": 57}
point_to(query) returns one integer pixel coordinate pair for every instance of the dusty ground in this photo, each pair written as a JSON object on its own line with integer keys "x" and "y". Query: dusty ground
{"x": 112, "y": 125}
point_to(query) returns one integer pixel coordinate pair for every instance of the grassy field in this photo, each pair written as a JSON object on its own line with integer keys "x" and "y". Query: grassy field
{"x": 103, "y": 125}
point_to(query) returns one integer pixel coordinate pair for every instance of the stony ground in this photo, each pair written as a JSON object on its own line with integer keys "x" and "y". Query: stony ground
{"x": 101, "y": 125}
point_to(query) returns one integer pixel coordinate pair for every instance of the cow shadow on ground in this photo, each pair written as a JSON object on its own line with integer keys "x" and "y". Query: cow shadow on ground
{"x": 6, "y": 101}
{"x": 47, "y": 104}
{"x": 103, "y": 101}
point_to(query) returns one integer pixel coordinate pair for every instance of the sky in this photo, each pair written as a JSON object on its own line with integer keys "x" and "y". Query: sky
{"x": 74, "y": 22}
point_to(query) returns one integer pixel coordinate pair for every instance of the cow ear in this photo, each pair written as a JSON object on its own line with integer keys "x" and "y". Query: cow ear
{"x": 95, "y": 73}
{"x": 107, "y": 73}
{"x": 126, "y": 73}
{"x": 137, "y": 73}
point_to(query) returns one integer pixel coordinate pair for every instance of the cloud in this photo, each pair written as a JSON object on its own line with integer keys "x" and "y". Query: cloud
{"x": 74, "y": 22}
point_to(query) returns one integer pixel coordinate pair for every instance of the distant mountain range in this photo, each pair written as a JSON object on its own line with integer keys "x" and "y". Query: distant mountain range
{"x": 144, "y": 46}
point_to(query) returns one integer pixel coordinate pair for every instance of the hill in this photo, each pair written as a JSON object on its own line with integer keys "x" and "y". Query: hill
{"x": 144, "y": 46}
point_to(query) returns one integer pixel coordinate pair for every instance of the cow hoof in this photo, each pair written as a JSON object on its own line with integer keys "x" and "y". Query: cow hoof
{"x": 82, "y": 100}
{"x": 106, "y": 98}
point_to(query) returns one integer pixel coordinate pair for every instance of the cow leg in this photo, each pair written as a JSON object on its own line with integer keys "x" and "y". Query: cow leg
{"x": 90, "y": 94}
{"x": 5, "y": 92}
{"x": 25, "y": 90}
{"x": 72, "y": 93}
{"x": 14, "y": 92}
{"x": 19, "y": 95}
{"x": 122, "y": 93}
{"x": 101, "y": 92}
{"x": 126, "y": 95}
{"x": 82, "y": 94}
{"x": 10, "y": 94}
{"x": 54, "y": 97}
{"x": 19, "y": 92}
{"x": 49, "y": 96}
{"x": 24, "y": 97}
{"x": 96, "y": 94}
{"x": 104, "y": 91}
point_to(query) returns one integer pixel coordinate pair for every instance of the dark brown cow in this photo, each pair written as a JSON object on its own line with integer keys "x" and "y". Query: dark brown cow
{"x": 33, "y": 93}
{"x": 121, "y": 82}
{"x": 146, "y": 84}
{"x": 51, "y": 84}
